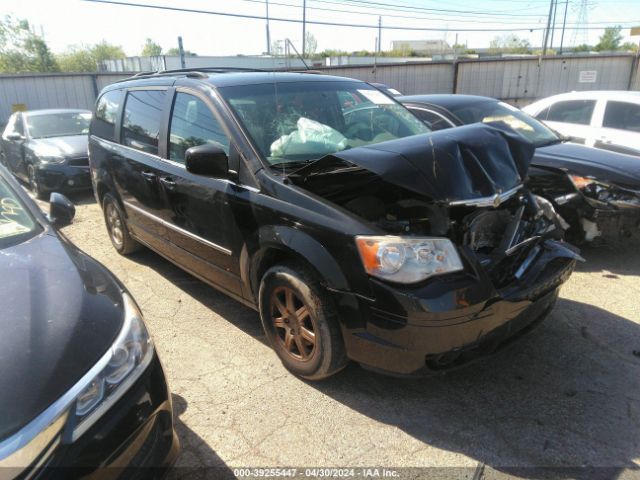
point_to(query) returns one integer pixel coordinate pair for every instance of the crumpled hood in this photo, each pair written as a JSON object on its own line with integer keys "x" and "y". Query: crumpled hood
{"x": 61, "y": 311}
{"x": 71, "y": 146}
{"x": 461, "y": 163}
{"x": 609, "y": 167}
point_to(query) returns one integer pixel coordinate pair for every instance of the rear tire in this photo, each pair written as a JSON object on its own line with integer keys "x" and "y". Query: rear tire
{"x": 300, "y": 322}
{"x": 117, "y": 228}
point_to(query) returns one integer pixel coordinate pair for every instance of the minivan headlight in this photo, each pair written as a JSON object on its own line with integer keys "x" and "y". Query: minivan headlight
{"x": 407, "y": 260}
{"x": 51, "y": 159}
{"x": 127, "y": 358}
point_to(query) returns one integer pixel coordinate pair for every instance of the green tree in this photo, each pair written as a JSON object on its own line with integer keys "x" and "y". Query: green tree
{"x": 87, "y": 58}
{"x": 310, "y": 45}
{"x": 509, "y": 44}
{"x": 629, "y": 47}
{"x": 21, "y": 50}
{"x": 583, "y": 48}
{"x": 610, "y": 40}
{"x": 176, "y": 51}
{"x": 151, "y": 49}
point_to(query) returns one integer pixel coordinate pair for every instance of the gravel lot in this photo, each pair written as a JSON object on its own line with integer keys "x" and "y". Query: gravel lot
{"x": 567, "y": 395}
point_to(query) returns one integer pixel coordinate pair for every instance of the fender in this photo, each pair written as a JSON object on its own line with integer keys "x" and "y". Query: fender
{"x": 287, "y": 239}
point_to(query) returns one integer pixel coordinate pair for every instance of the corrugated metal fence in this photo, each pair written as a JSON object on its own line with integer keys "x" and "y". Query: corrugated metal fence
{"x": 517, "y": 80}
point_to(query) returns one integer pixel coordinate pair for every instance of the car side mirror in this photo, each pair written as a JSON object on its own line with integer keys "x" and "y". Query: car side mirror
{"x": 208, "y": 160}
{"x": 61, "y": 210}
{"x": 14, "y": 137}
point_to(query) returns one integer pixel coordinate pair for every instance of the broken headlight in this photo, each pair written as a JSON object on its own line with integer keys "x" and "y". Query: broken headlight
{"x": 407, "y": 260}
{"x": 595, "y": 190}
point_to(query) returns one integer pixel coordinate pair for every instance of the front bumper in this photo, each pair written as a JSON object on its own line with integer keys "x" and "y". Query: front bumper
{"x": 63, "y": 177}
{"x": 134, "y": 439}
{"x": 451, "y": 321}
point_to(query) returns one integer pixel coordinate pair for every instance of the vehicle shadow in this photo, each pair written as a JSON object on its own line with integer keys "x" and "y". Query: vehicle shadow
{"x": 562, "y": 402}
{"x": 622, "y": 259}
{"x": 197, "y": 460}
{"x": 241, "y": 316}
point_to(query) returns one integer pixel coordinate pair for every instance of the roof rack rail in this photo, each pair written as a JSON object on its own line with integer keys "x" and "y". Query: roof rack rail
{"x": 193, "y": 72}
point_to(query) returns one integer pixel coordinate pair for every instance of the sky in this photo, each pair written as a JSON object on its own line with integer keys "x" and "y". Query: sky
{"x": 73, "y": 22}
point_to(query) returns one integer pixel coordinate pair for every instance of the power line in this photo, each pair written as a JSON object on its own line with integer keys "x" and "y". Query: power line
{"x": 508, "y": 13}
{"x": 317, "y": 22}
{"x": 372, "y": 13}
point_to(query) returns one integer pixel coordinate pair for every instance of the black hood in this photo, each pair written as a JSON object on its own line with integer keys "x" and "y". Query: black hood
{"x": 61, "y": 311}
{"x": 71, "y": 146}
{"x": 449, "y": 165}
{"x": 609, "y": 167}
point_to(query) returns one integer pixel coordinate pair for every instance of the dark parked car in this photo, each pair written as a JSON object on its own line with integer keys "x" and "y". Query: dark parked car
{"x": 353, "y": 231}
{"x": 596, "y": 191}
{"x": 81, "y": 386}
{"x": 48, "y": 149}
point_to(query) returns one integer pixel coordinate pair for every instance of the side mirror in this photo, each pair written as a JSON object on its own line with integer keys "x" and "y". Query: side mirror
{"x": 208, "y": 160}
{"x": 61, "y": 210}
{"x": 14, "y": 137}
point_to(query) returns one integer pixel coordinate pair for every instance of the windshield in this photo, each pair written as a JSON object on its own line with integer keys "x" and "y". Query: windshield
{"x": 16, "y": 222}
{"x": 515, "y": 118}
{"x": 58, "y": 124}
{"x": 296, "y": 122}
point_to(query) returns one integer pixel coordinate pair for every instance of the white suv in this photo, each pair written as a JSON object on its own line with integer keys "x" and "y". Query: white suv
{"x": 604, "y": 119}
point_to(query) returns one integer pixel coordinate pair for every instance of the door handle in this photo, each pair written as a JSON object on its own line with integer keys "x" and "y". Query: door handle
{"x": 149, "y": 176}
{"x": 168, "y": 183}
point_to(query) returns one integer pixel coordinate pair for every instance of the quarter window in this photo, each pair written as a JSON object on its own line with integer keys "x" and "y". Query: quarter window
{"x": 142, "y": 117}
{"x": 106, "y": 115}
{"x": 569, "y": 111}
{"x": 193, "y": 124}
{"x": 622, "y": 115}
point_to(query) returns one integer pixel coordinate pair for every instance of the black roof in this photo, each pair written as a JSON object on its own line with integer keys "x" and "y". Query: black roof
{"x": 448, "y": 101}
{"x": 221, "y": 78}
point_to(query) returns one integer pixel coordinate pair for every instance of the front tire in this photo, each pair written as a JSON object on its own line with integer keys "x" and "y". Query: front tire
{"x": 34, "y": 185}
{"x": 300, "y": 322}
{"x": 117, "y": 227}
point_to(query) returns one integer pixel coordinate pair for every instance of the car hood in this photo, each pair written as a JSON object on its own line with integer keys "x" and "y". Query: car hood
{"x": 609, "y": 167}
{"x": 70, "y": 146}
{"x": 61, "y": 311}
{"x": 457, "y": 164}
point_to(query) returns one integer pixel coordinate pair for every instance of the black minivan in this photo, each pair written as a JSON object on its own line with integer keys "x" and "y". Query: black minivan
{"x": 328, "y": 207}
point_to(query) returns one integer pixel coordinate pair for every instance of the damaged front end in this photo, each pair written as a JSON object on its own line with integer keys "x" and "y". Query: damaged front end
{"x": 608, "y": 212}
{"x": 464, "y": 188}
{"x": 463, "y": 184}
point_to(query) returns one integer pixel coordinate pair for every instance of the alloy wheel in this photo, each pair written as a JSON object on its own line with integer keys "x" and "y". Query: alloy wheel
{"x": 115, "y": 225}
{"x": 294, "y": 326}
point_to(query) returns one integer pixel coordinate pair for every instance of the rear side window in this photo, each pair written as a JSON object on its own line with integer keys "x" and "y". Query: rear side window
{"x": 104, "y": 122}
{"x": 141, "y": 121}
{"x": 569, "y": 111}
{"x": 193, "y": 124}
{"x": 622, "y": 115}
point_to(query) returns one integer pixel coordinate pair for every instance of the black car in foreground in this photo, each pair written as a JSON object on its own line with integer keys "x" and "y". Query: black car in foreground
{"x": 328, "y": 207}
{"x": 48, "y": 149}
{"x": 596, "y": 191}
{"x": 81, "y": 386}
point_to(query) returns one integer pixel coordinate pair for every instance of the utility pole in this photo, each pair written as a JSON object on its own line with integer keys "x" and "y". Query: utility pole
{"x": 379, "y": 34}
{"x": 553, "y": 27}
{"x": 546, "y": 33}
{"x": 183, "y": 64}
{"x": 304, "y": 27}
{"x": 268, "y": 33}
{"x": 564, "y": 24}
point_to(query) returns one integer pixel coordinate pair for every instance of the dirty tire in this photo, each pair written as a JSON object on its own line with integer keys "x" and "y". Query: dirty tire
{"x": 34, "y": 185}
{"x": 300, "y": 322}
{"x": 117, "y": 227}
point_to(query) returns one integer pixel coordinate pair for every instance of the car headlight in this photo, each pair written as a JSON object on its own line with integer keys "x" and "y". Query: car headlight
{"x": 407, "y": 260}
{"x": 598, "y": 193}
{"x": 127, "y": 358}
{"x": 51, "y": 159}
